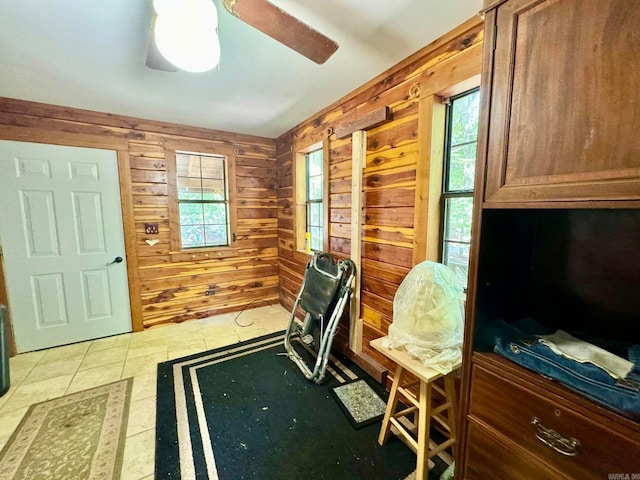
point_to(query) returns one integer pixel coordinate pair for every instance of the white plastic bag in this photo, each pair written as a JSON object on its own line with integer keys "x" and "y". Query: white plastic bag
{"x": 428, "y": 316}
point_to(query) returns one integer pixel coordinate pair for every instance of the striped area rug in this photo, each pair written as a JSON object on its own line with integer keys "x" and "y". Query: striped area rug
{"x": 246, "y": 411}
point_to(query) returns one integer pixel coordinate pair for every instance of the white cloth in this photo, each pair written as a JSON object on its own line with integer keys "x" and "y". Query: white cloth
{"x": 573, "y": 348}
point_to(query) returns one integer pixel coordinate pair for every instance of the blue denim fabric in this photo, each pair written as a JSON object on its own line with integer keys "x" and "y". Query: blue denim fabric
{"x": 634, "y": 357}
{"x": 585, "y": 378}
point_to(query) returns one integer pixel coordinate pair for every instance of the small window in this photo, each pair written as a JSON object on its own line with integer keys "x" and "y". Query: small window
{"x": 203, "y": 200}
{"x": 461, "y": 138}
{"x": 315, "y": 195}
{"x": 311, "y": 192}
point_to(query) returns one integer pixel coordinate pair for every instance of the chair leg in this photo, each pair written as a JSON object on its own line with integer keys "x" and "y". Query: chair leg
{"x": 424, "y": 424}
{"x": 452, "y": 411}
{"x": 391, "y": 407}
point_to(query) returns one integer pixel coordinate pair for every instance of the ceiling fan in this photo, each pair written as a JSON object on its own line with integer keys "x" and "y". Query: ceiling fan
{"x": 261, "y": 15}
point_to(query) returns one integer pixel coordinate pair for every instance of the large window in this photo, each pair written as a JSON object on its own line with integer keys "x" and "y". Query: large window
{"x": 203, "y": 200}
{"x": 315, "y": 215}
{"x": 461, "y": 137}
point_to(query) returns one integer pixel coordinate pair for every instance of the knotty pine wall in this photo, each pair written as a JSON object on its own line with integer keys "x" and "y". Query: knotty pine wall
{"x": 389, "y": 239}
{"x": 163, "y": 291}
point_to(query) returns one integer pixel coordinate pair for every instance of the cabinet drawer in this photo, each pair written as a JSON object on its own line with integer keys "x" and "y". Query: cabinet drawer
{"x": 510, "y": 409}
{"x": 492, "y": 458}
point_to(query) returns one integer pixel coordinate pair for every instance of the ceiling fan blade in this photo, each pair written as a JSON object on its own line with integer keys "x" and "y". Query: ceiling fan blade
{"x": 155, "y": 60}
{"x": 284, "y": 28}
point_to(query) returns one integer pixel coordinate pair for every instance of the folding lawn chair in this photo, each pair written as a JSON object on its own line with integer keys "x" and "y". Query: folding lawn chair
{"x": 326, "y": 289}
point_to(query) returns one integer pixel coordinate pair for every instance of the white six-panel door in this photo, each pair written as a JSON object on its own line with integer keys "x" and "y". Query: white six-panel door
{"x": 60, "y": 227}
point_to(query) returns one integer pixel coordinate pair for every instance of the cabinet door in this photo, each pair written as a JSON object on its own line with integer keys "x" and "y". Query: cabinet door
{"x": 565, "y": 109}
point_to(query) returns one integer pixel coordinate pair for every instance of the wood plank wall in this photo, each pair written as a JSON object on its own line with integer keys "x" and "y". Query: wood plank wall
{"x": 174, "y": 291}
{"x": 389, "y": 179}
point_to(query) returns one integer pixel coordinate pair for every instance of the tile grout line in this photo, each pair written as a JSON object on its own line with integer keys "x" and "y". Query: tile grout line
{"x": 66, "y": 391}
{"x": 13, "y": 388}
{"x": 200, "y": 328}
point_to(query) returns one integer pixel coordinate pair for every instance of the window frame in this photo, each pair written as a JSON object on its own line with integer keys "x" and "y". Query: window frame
{"x": 176, "y": 251}
{"x": 446, "y": 193}
{"x": 314, "y": 201}
{"x": 301, "y": 197}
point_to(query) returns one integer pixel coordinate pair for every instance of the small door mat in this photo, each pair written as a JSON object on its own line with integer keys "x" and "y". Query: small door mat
{"x": 360, "y": 403}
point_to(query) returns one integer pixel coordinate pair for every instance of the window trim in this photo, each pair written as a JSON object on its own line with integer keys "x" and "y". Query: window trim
{"x": 224, "y": 202}
{"x": 176, "y": 251}
{"x": 300, "y": 197}
{"x": 429, "y": 164}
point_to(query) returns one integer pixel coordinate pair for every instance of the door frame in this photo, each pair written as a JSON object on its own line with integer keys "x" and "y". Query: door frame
{"x": 121, "y": 147}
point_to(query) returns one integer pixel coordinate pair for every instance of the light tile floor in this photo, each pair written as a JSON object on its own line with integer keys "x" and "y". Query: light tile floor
{"x": 45, "y": 374}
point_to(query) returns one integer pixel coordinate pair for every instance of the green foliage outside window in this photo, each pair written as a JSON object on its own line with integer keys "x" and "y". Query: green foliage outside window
{"x": 202, "y": 200}
{"x": 315, "y": 182}
{"x": 460, "y": 162}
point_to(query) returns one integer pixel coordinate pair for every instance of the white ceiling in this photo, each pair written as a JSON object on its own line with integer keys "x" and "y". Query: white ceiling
{"x": 90, "y": 55}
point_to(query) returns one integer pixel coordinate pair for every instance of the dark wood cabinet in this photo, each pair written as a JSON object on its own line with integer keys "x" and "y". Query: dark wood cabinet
{"x": 555, "y": 235}
{"x": 588, "y": 444}
{"x": 490, "y": 457}
{"x": 565, "y": 109}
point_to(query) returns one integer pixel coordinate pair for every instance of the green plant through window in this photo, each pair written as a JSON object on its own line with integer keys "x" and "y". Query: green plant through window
{"x": 202, "y": 200}
{"x": 315, "y": 182}
{"x": 459, "y": 172}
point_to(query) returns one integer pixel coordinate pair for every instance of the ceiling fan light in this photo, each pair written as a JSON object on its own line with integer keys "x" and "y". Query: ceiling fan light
{"x": 185, "y": 33}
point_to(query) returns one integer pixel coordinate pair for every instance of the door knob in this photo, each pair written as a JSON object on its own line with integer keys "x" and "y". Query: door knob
{"x": 115, "y": 260}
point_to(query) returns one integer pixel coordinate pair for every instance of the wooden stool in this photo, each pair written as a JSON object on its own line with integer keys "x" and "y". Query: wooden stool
{"x": 421, "y": 405}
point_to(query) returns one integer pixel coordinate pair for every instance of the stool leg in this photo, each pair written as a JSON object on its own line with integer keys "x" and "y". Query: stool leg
{"x": 452, "y": 411}
{"x": 391, "y": 407}
{"x": 424, "y": 424}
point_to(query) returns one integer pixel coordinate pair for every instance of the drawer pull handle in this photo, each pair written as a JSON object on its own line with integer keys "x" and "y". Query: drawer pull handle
{"x": 551, "y": 438}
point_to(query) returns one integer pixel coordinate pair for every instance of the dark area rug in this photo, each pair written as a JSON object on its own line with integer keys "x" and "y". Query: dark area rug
{"x": 246, "y": 411}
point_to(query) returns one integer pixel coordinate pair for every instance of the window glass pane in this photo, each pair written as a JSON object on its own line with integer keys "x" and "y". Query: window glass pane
{"x": 460, "y": 163}
{"x": 216, "y": 235}
{"x": 315, "y": 214}
{"x": 213, "y": 167}
{"x": 189, "y": 188}
{"x": 457, "y": 221}
{"x": 462, "y": 167}
{"x": 464, "y": 118}
{"x": 215, "y": 214}
{"x": 463, "y": 135}
{"x": 192, "y": 236}
{"x": 202, "y": 196}
{"x": 187, "y": 194}
{"x": 456, "y": 257}
{"x": 191, "y": 214}
{"x": 213, "y": 189}
{"x": 315, "y": 188}
{"x": 314, "y": 163}
{"x": 316, "y": 238}
{"x": 187, "y": 165}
